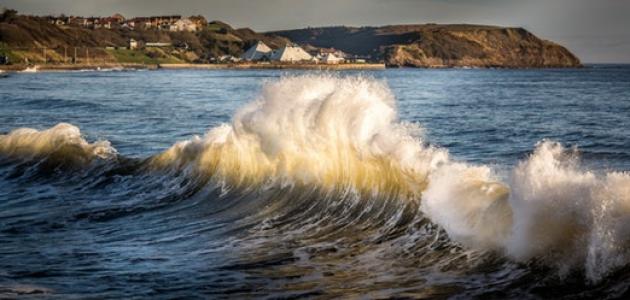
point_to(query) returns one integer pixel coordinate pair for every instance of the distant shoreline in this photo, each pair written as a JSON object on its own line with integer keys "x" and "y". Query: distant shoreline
{"x": 343, "y": 66}
{"x": 246, "y": 66}
{"x": 249, "y": 66}
{"x": 75, "y": 67}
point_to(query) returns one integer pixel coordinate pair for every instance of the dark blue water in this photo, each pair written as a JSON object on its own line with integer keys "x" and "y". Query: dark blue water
{"x": 115, "y": 228}
{"x": 486, "y": 116}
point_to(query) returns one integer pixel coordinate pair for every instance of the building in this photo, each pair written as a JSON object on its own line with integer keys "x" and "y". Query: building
{"x": 158, "y": 44}
{"x": 109, "y": 23}
{"x": 163, "y": 22}
{"x": 184, "y": 24}
{"x": 114, "y": 21}
{"x": 290, "y": 53}
{"x": 61, "y": 20}
{"x": 338, "y": 53}
{"x": 133, "y": 44}
{"x": 228, "y": 59}
{"x": 330, "y": 58}
{"x": 257, "y": 52}
{"x": 77, "y": 21}
{"x": 138, "y": 23}
{"x": 200, "y": 21}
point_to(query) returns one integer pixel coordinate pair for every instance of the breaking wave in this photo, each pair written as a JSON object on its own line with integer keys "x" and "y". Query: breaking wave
{"x": 342, "y": 135}
{"x": 552, "y": 210}
{"x": 63, "y": 141}
{"x": 323, "y": 131}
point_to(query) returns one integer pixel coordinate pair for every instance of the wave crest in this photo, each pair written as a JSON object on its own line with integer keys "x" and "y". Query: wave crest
{"x": 321, "y": 130}
{"x": 63, "y": 141}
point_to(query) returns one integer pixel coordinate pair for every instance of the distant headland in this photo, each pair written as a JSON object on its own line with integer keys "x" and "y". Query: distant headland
{"x": 174, "y": 41}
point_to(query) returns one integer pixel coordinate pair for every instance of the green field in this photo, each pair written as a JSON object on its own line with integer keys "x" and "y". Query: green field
{"x": 13, "y": 58}
{"x": 143, "y": 57}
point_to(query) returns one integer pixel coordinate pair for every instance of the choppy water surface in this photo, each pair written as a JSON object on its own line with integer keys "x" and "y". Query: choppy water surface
{"x": 396, "y": 183}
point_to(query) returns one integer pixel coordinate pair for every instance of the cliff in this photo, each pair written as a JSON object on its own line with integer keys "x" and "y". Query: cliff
{"x": 436, "y": 46}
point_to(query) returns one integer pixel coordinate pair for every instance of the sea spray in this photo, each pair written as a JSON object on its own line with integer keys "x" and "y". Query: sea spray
{"x": 320, "y": 130}
{"x": 554, "y": 212}
{"x": 569, "y": 216}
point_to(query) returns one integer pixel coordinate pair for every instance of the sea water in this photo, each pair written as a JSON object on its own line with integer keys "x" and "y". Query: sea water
{"x": 260, "y": 183}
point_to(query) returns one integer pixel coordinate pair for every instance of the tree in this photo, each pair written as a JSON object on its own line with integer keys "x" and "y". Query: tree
{"x": 8, "y": 15}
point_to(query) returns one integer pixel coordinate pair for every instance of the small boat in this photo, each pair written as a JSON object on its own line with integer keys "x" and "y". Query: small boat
{"x": 4, "y": 74}
{"x": 32, "y": 69}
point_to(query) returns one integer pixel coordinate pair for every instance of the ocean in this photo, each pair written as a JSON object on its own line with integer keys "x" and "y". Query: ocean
{"x": 400, "y": 183}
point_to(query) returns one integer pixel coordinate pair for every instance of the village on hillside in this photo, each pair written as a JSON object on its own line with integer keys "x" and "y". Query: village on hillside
{"x": 155, "y": 40}
{"x": 170, "y": 23}
{"x": 258, "y": 53}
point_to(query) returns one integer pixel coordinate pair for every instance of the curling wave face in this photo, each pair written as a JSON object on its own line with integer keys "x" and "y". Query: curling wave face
{"x": 336, "y": 134}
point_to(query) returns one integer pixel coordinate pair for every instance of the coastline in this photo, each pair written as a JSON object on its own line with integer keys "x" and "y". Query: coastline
{"x": 246, "y": 66}
{"x": 76, "y": 67}
{"x": 240, "y": 66}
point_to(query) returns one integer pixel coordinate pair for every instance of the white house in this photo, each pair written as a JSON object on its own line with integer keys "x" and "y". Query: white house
{"x": 133, "y": 44}
{"x": 330, "y": 58}
{"x": 228, "y": 59}
{"x": 257, "y": 52}
{"x": 184, "y": 24}
{"x": 158, "y": 44}
{"x": 290, "y": 53}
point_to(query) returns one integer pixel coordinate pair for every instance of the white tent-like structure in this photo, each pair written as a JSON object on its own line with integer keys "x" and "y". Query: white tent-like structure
{"x": 330, "y": 58}
{"x": 256, "y": 52}
{"x": 290, "y": 53}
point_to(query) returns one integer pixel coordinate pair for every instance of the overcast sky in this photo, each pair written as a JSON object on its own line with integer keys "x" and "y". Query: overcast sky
{"x": 595, "y": 30}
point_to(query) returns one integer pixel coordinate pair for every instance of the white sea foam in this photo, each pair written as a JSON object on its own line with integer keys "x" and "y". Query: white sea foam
{"x": 62, "y": 139}
{"x": 555, "y": 212}
{"x": 316, "y": 130}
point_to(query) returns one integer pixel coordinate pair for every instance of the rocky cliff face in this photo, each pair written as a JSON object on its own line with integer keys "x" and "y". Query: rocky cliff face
{"x": 436, "y": 46}
{"x": 494, "y": 47}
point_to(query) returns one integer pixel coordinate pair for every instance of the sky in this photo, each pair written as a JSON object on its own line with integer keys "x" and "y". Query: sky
{"x": 597, "y": 31}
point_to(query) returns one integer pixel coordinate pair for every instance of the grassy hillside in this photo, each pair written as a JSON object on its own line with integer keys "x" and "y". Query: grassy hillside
{"x": 24, "y": 37}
